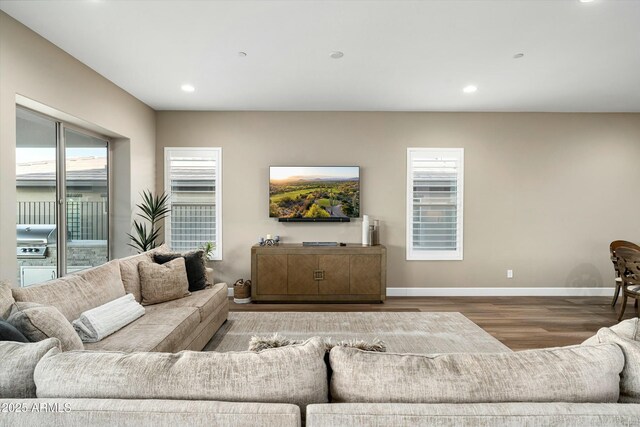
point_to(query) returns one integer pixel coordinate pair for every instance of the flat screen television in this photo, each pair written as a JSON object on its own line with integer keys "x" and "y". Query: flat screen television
{"x": 314, "y": 193}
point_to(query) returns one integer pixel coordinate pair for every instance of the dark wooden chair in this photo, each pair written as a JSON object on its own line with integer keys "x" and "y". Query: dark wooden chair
{"x": 628, "y": 260}
{"x": 612, "y": 249}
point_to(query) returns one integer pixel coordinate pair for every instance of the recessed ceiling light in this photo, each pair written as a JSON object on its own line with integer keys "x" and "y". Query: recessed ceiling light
{"x": 470, "y": 89}
{"x": 586, "y": 1}
{"x": 518, "y": 55}
{"x": 242, "y": 54}
{"x": 336, "y": 54}
{"x": 187, "y": 88}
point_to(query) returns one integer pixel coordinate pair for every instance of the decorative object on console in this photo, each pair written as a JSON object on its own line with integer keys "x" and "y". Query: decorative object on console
{"x": 269, "y": 240}
{"x": 365, "y": 231}
{"x": 163, "y": 282}
{"x": 370, "y": 231}
{"x": 375, "y": 240}
{"x": 154, "y": 209}
{"x": 194, "y": 263}
{"x": 242, "y": 291}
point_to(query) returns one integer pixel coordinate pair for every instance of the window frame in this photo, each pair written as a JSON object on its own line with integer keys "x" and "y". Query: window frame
{"x": 435, "y": 255}
{"x": 217, "y": 254}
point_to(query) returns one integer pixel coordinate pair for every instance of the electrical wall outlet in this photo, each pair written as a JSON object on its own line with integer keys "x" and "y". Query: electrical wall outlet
{"x": 509, "y": 274}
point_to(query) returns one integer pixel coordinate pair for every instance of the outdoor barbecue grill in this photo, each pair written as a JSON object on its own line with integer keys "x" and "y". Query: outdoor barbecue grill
{"x": 33, "y": 240}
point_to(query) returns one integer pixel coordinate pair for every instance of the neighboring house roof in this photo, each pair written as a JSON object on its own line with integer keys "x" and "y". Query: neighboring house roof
{"x": 79, "y": 170}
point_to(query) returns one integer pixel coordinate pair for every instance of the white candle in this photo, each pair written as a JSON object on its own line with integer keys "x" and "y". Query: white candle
{"x": 365, "y": 230}
{"x": 268, "y": 236}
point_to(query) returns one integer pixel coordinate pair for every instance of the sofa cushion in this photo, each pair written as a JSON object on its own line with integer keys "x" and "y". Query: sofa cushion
{"x": 295, "y": 374}
{"x": 628, "y": 339}
{"x": 629, "y": 329}
{"x": 160, "y": 330}
{"x": 194, "y": 263}
{"x": 514, "y": 414}
{"x": 163, "y": 282}
{"x": 8, "y": 332}
{"x": 149, "y": 413}
{"x": 129, "y": 270}
{"x": 19, "y": 360}
{"x": 567, "y": 374}
{"x": 38, "y": 322}
{"x": 6, "y": 300}
{"x": 205, "y": 300}
{"x": 77, "y": 292}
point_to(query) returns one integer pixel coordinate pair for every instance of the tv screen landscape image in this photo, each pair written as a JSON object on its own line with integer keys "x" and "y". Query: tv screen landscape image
{"x": 314, "y": 192}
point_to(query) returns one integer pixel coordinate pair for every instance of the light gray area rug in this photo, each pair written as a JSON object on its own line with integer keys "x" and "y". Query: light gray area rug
{"x": 403, "y": 332}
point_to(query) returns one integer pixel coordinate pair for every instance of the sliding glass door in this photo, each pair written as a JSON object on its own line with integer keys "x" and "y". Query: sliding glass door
{"x": 87, "y": 197}
{"x": 62, "y": 190}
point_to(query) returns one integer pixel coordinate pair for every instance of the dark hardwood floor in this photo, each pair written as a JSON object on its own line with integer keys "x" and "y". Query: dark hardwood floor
{"x": 519, "y": 322}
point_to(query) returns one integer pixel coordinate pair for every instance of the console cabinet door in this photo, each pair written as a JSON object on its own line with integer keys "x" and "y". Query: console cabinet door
{"x": 301, "y": 274}
{"x": 336, "y": 275}
{"x": 272, "y": 274}
{"x": 365, "y": 274}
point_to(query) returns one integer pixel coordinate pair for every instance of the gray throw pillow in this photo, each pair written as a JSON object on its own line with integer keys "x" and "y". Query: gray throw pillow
{"x": 163, "y": 282}
{"x": 38, "y": 322}
{"x": 8, "y": 332}
{"x": 19, "y": 362}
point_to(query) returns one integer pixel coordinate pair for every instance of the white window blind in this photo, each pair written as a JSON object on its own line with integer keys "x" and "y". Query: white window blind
{"x": 434, "y": 203}
{"x": 193, "y": 182}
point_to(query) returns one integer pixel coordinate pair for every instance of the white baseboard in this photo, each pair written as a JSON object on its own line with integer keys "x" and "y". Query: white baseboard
{"x": 495, "y": 292}
{"x": 500, "y": 292}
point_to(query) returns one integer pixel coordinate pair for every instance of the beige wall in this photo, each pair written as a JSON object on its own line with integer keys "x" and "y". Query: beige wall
{"x": 544, "y": 193}
{"x": 34, "y": 68}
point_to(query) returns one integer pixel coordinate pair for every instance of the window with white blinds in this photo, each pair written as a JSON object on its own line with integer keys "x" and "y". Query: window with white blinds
{"x": 434, "y": 203}
{"x": 193, "y": 183}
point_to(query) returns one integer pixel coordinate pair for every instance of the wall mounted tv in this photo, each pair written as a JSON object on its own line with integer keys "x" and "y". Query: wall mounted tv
{"x": 314, "y": 193}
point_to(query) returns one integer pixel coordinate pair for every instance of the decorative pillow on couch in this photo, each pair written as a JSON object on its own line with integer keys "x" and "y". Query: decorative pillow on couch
{"x": 8, "y": 332}
{"x": 163, "y": 282}
{"x": 19, "y": 362}
{"x": 6, "y": 300}
{"x": 626, "y": 335}
{"x": 38, "y": 322}
{"x": 194, "y": 263}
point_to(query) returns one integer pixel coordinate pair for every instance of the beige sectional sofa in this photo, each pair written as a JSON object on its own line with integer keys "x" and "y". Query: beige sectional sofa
{"x": 594, "y": 384}
{"x": 287, "y": 386}
{"x": 183, "y": 324}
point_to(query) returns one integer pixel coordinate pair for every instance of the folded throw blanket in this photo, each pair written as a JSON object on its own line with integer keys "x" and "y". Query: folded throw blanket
{"x": 95, "y": 324}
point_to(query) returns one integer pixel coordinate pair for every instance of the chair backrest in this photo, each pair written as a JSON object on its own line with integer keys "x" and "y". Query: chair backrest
{"x": 628, "y": 263}
{"x": 620, "y": 244}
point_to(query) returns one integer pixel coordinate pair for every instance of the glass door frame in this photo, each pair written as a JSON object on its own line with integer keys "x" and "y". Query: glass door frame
{"x": 61, "y": 185}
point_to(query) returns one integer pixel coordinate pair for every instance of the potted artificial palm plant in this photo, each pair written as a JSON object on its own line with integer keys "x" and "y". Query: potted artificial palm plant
{"x": 147, "y": 231}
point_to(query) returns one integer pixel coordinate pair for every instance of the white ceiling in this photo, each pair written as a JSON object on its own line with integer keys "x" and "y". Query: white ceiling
{"x": 398, "y": 55}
